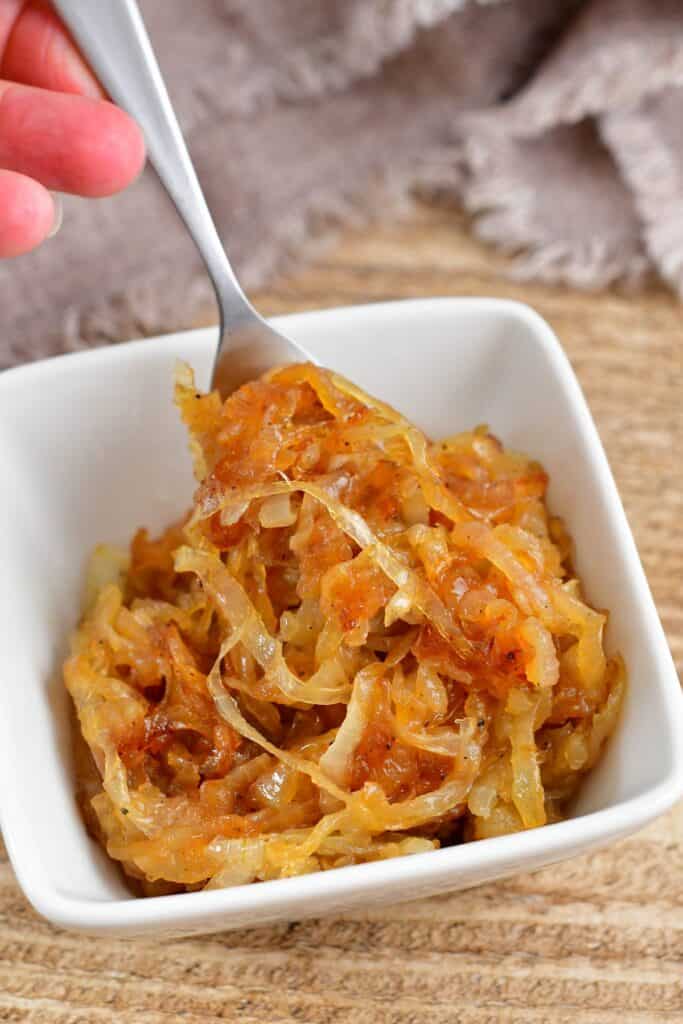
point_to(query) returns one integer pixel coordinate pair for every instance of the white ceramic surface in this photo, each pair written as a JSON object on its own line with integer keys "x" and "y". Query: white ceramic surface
{"x": 91, "y": 448}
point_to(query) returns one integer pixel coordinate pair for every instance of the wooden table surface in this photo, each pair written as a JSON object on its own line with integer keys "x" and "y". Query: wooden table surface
{"x": 598, "y": 940}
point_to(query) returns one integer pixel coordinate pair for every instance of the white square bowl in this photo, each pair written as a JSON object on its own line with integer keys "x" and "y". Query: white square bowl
{"x": 91, "y": 448}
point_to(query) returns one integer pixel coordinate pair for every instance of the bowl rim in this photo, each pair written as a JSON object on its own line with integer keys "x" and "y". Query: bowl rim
{"x": 183, "y": 909}
{"x": 503, "y": 853}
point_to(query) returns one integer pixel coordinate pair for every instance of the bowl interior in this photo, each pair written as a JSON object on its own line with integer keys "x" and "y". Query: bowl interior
{"x": 91, "y": 448}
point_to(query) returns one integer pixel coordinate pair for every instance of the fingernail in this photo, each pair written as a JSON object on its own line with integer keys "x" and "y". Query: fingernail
{"x": 81, "y": 74}
{"x": 59, "y": 214}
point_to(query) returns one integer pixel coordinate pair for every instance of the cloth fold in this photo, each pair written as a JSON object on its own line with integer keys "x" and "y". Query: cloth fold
{"x": 559, "y": 126}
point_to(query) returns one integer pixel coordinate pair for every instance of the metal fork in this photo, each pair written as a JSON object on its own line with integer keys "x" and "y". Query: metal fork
{"x": 113, "y": 38}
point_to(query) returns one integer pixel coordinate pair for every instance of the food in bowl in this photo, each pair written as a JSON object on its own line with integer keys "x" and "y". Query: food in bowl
{"x": 358, "y": 644}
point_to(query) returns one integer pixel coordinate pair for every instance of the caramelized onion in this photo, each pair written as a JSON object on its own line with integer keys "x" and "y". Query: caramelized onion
{"x": 358, "y": 644}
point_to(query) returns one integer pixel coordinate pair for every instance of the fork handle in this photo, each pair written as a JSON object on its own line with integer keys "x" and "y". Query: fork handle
{"x": 113, "y": 38}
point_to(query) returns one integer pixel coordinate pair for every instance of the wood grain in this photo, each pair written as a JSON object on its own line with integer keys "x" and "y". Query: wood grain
{"x": 598, "y": 940}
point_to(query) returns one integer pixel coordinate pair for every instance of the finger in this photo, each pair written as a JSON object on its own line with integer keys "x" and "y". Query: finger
{"x": 39, "y": 51}
{"x": 9, "y": 12}
{"x": 68, "y": 143}
{"x": 27, "y": 214}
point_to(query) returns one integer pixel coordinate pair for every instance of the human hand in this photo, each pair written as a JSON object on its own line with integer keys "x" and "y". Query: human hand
{"x": 56, "y": 129}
